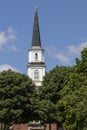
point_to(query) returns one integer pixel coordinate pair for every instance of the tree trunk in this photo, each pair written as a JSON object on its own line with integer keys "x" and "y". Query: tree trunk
{"x": 49, "y": 126}
{"x": 1, "y": 126}
{"x": 6, "y": 126}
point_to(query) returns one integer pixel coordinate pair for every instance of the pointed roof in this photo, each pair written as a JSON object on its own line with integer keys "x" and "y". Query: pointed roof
{"x": 36, "y": 32}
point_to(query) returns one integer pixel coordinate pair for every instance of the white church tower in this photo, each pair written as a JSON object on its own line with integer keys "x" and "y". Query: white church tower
{"x": 36, "y": 65}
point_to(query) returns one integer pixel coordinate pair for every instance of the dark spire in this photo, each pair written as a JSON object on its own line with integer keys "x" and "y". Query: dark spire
{"x": 36, "y": 32}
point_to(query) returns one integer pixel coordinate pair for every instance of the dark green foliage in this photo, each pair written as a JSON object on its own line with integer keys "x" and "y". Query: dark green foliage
{"x": 16, "y": 91}
{"x": 62, "y": 99}
{"x": 81, "y": 66}
{"x": 50, "y": 109}
{"x": 74, "y": 96}
{"x": 53, "y": 82}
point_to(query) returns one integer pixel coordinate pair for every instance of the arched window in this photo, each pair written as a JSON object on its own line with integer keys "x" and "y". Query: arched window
{"x": 36, "y": 56}
{"x": 36, "y": 75}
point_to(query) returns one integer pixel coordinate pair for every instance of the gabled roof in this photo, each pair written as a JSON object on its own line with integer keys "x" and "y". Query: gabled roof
{"x": 36, "y": 32}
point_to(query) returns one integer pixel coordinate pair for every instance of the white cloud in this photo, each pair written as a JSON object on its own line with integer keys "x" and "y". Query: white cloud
{"x": 6, "y": 37}
{"x": 57, "y": 55}
{"x": 13, "y": 47}
{"x": 10, "y": 30}
{"x": 6, "y": 67}
{"x": 69, "y": 54}
{"x": 61, "y": 57}
{"x": 3, "y": 38}
{"x": 76, "y": 49}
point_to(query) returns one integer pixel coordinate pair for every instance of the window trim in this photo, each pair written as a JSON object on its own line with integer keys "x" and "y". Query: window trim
{"x": 36, "y": 75}
{"x": 36, "y": 56}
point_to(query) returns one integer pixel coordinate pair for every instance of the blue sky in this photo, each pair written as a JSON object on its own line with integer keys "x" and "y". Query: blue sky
{"x": 63, "y": 29}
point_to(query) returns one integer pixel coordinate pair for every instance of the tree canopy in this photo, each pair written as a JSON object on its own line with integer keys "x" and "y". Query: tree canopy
{"x": 16, "y": 92}
{"x": 74, "y": 97}
{"x": 49, "y": 107}
{"x": 62, "y": 97}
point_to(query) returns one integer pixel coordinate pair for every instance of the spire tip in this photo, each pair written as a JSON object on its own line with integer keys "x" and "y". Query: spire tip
{"x": 35, "y": 8}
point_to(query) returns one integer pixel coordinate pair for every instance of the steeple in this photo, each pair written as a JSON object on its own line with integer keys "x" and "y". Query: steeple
{"x": 36, "y": 65}
{"x": 36, "y": 32}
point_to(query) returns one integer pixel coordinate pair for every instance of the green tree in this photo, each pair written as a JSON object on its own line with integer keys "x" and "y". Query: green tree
{"x": 74, "y": 97}
{"x": 75, "y": 109}
{"x": 50, "y": 109}
{"x": 16, "y": 91}
{"x": 81, "y": 64}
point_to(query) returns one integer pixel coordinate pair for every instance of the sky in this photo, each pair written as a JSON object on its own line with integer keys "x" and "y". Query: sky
{"x": 63, "y": 31}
